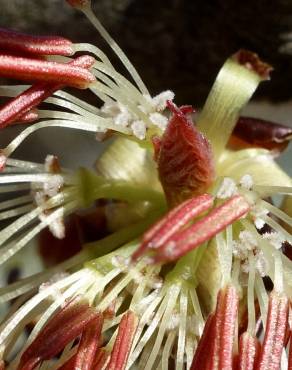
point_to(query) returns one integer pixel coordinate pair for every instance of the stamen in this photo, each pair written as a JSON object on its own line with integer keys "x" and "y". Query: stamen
{"x": 65, "y": 326}
{"x": 193, "y": 236}
{"x": 160, "y": 232}
{"x": 89, "y": 343}
{"x": 249, "y": 348}
{"x": 225, "y": 319}
{"x": 84, "y": 5}
{"x": 42, "y": 70}
{"x": 202, "y": 357}
{"x": 38, "y": 45}
{"x": 102, "y": 357}
{"x": 20, "y": 107}
{"x": 270, "y": 356}
{"x": 123, "y": 342}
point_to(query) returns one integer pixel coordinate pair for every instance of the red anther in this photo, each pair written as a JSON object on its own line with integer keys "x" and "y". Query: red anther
{"x": 165, "y": 228}
{"x": 221, "y": 356}
{"x": 31, "y": 116}
{"x": 249, "y": 348}
{"x": 38, "y": 45}
{"x": 259, "y": 133}
{"x": 185, "y": 159}
{"x": 204, "y": 229}
{"x": 202, "y": 356}
{"x": 290, "y": 353}
{"x": 18, "y": 108}
{"x": 62, "y": 328}
{"x": 29, "y": 69}
{"x": 273, "y": 344}
{"x": 89, "y": 343}
{"x": 123, "y": 342}
{"x": 101, "y": 359}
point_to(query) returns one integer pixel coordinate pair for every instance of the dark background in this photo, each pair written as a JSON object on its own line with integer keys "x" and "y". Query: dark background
{"x": 176, "y": 44}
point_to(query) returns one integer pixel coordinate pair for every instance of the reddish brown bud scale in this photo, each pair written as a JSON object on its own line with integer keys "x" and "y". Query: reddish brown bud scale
{"x": 123, "y": 342}
{"x": 249, "y": 348}
{"x": 277, "y": 319}
{"x": 185, "y": 160}
{"x": 61, "y": 329}
{"x": 79, "y": 4}
{"x": 204, "y": 229}
{"x": 252, "y": 61}
{"x": 38, "y": 45}
{"x": 29, "y": 69}
{"x": 202, "y": 354}
{"x": 165, "y": 228}
{"x": 18, "y": 108}
{"x": 260, "y": 133}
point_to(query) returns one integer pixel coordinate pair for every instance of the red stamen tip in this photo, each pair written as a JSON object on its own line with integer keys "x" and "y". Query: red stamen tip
{"x": 165, "y": 228}
{"x": 204, "y": 229}
{"x": 273, "y": 344}
{"x": 123, "y": 342}
{"x": 62, "y": 328}
{"x": 249, "y": 348}
{"x": 41, "y": 70}
{"x": 37, "y": 45}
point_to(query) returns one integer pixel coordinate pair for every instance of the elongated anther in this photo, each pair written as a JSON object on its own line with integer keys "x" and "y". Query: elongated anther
{"x": 62, "y": 328}
{"x": 90, "y": 341}
{"x": 38, "y": 45}
{"x": 18, "y": 109}
{"x": 101, "y": 358}
{"x": 28, "y": 117}
{"x": 249, "y": 348}
{"x": 221, "y": 356}
{"x": 202, "y": 355}
{"x": 203, "y": 230}
{"x": 178, "y": 217}
{"x": 290, "y": 353}
{"x": 41, "y": 70}
{"x": 277, "y": 319}
{"x": 123, "y": 342}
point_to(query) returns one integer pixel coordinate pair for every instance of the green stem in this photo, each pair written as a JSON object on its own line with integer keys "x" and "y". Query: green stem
{"x": 96, "y": 187}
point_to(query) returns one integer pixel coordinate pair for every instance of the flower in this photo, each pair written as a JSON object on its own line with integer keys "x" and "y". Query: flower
{"x": 179, "y": 281}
